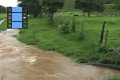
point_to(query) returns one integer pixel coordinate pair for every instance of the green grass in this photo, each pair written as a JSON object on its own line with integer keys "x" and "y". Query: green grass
{"x": 114, "y": 78}
{"x": 2, "y": 16}
{"x": 84, "y": 51}
{"x": 50, "y": 38}
{"x": 4, "y": 25}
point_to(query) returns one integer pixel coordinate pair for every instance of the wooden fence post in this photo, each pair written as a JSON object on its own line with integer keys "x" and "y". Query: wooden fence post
{"x": 106, "y": 35}
{"x": 73, "y": 24}
{"x": 82, "y": 26}
{"x": 102, "y": 33}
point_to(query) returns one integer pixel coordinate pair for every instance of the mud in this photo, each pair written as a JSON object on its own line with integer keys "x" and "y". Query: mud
{"x": 24, "y": 62}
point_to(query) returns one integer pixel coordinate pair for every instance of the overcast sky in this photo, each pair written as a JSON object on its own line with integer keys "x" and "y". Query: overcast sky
{"x": 8, "y": 3}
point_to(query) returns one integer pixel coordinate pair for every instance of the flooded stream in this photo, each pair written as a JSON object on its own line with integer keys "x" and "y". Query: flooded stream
{"x": 24, "y": 62}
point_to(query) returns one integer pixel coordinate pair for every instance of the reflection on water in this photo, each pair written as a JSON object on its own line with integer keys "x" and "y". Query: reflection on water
{"x": 22, "y": 62}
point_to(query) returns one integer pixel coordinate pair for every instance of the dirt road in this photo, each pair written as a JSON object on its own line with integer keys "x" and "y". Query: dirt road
{"x": 23, "y": 62}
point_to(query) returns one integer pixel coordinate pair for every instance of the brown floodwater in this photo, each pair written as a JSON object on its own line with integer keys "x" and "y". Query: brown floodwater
{"x": 24, "y": 62}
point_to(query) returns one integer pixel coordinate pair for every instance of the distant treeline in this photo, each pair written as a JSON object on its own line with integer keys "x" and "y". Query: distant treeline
{"x": 2, "y": 9}
{"x": 111, "y": 1}
{"x": 37, "y": 7}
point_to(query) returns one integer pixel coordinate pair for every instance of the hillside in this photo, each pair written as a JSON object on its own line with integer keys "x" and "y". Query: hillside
{"x": 68, "y": 6}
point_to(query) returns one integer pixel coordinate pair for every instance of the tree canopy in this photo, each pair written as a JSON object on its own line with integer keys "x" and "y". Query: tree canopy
{"x": 117, "y": 5}
{"x": 2, "y": 9}
{"x": 36, "y": 6}
{"x": 90, "y": 5}
{"x": 51, "y": 6}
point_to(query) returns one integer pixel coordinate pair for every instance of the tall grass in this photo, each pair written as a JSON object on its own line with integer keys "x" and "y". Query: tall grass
{"x": 49, "y": 38}
{"x": 114, "y": 78}
{"x": 4, "y": 25}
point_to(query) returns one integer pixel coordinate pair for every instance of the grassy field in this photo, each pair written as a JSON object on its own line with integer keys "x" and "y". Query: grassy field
{"x": 3, "y": 27}
{"x": 87, "y": 50}
{"x": 2, "y": 16}
{"x": 84, "y": 51}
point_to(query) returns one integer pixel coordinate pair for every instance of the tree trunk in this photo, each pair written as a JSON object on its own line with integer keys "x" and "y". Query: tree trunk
{"x": 82, "y": 26}
{"x": 40, "y": 14}
{"x": 52, "y": 16}
{"x": 89, "y": 14}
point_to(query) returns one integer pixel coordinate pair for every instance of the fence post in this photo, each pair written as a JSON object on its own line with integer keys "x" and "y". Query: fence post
{"x": 73, "y": 24}
{"x": 82, "y": 26}
{"x": 106, "y": 35}
{"x": 102, "y": 33}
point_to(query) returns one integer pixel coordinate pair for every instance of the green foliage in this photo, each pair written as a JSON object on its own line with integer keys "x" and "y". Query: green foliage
{"x": 108, "y": 1}
{"x": 90, "y": 5}
{"x": 2, "y": 16}
{"x": 114, "y": 78}
{"x": 81, "y": 36}
{"x": 65, "y": 28}
{"x": 68, "y": 5}
{"x": 117, "y": 7}
{"x": 34, "y": 6}
{"x": 2, "y": 9}
{"x": 103, "y": 49}
{"x": 81, "y": 51}
{"x": 47, "y": 38}
{"x": 72, "y": 25}
{"x": 3, "y": 26}
{"x": 51, "y": 6}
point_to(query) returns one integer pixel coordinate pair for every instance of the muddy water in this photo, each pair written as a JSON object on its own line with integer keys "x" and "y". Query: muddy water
{"x": 22, "y": 62}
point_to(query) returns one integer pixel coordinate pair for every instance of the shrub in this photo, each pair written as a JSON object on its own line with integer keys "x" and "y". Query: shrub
{"x": 114, "y": 78}
{"x": 65, "y": 28}
{"x": 102, "y": 49}
{"x": 81, "y": 35}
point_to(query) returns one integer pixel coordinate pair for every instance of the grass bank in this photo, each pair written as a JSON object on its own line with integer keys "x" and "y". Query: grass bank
{"x": 114, "y": 78}
{"x": 3, "y": 26}
{"x": 83, "y": 51}
{"x": 3, "y": 16}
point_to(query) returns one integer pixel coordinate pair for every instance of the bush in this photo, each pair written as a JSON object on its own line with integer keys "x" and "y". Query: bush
{"x": 65, "y": 28}
{"x": 81, "y": 36}
{"x": 102, "y": 49}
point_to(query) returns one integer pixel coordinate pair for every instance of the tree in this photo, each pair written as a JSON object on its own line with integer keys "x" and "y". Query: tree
{"x": 90, "y": 6}
{"x": 2, "y": 9}
{"x": 34, "y": 6}
{"x": 117, "y": 5}
{"x": 108, "y": 1}
{"x": 51, "y": 6}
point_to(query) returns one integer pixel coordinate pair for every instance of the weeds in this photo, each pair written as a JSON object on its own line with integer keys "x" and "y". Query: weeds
{"x": 83, "y": 50}
{"x": 114, "y": 78}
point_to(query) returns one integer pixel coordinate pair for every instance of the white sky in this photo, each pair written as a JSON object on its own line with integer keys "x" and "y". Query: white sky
{"x": 8, "y": 3}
